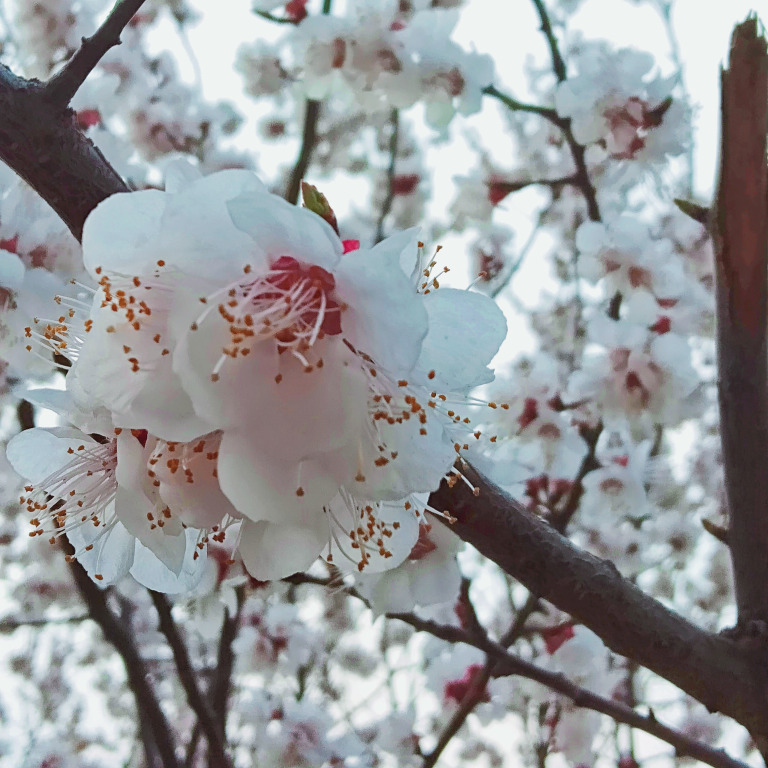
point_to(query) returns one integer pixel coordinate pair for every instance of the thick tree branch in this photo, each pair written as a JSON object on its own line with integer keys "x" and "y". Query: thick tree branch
{"x": 739, "y": 226}
{"x": 117, "y": 634}
{"x": 188, "y": 677}
{"x": 592, "y": 590}
{"x": 60, "y": 89}
{"x": 44, "y": 146}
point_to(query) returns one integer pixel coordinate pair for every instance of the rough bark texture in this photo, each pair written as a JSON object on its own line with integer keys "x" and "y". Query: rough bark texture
{"x": 739, "y": 226}
{"x": 42, "y": 143}
{"x": 726, "y": 675}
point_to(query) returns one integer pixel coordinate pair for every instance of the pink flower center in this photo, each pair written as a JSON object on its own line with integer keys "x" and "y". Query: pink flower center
{"x": 555, "y": 637}
{"x": 293, "y": 303}
{"x": 424, "y": 545}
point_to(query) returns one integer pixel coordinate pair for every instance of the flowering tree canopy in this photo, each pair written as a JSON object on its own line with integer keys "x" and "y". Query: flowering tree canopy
{"x": 290, "y": 404}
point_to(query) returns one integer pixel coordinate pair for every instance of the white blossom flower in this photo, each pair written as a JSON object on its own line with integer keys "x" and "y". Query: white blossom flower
{"x": 634, "y": 372}
{"x": 623, "y": 255}
{"x": 429, "y": 575}
{"x": 317, "y": 373}
{"x": 94, "y": 493}
{"x": 614, "y": 101}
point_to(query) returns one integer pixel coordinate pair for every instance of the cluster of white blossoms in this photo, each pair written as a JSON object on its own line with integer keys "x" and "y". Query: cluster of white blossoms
{"x": 239, "y": 364}
{"x": 380, "y": 55}
{"x": 618, "y": 104}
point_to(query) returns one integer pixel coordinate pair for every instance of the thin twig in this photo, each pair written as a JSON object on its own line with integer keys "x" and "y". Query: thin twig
{"x": 581, "y": 177}
{"x": 60, "y": 88}
{"x": 11, "y": 625}
{"x": 518, "y": 106}
{"x": 546, "y": 27}
{"x": 388, "y": 200}
{"x": 476, "y": 692}
{"x": 308, "y": 139}
{"x": 188, "y": 678}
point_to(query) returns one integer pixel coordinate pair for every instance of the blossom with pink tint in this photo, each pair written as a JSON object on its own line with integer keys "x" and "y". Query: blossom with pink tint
{"x": 618, "y": 486}
{"x": 627, "y": 259}
{"x": 617, "y": 101}
{"x": 306, "y": 379}
{"x": 96, "y": 492}
{"x": 429, "y": 575}
{"x": 632, "y": 372}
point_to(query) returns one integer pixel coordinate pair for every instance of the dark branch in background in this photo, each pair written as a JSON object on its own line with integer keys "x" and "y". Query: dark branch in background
{"x": 276, "y": 19}
{"x": 308, "y": 140}
{"x": 225, "y": 661}
{"x": 506, "y": 663}
{"x": 390, "y": 196}
{"x": 739, "y": 228}
{"x": 518, "y": 106}
{"x": 477, "y": 690}
{"x": 60, "y": 89}
{"x": 121, "y": 638}
{"x": 25, "y": 414}
{"x": 564, "y": 124}
{"x": 581, "y": 177}
{"x": 592, "y": 590}
{"x": 187, "y": 675}
{"x": 546, "y": 27}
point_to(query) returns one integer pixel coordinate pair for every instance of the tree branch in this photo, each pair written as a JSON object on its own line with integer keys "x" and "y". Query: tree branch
{"x": 581, "y": 178}
{"x": 592, "y": 590}
{"x": 205, "y": 714}
{"x": 390, "y": 196}
{"x": 146, "y": 701}
{"x": 510, "y": 664}
{"x": 44, "y": 146}
{"x": 739, "y": 226}
{"x": 308, "y": 139}
{"x": 225, "y": 661}
{"x": 518, "y": 106}
{"x": 60, "y": 89}
{"x": 554, "y": 50}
